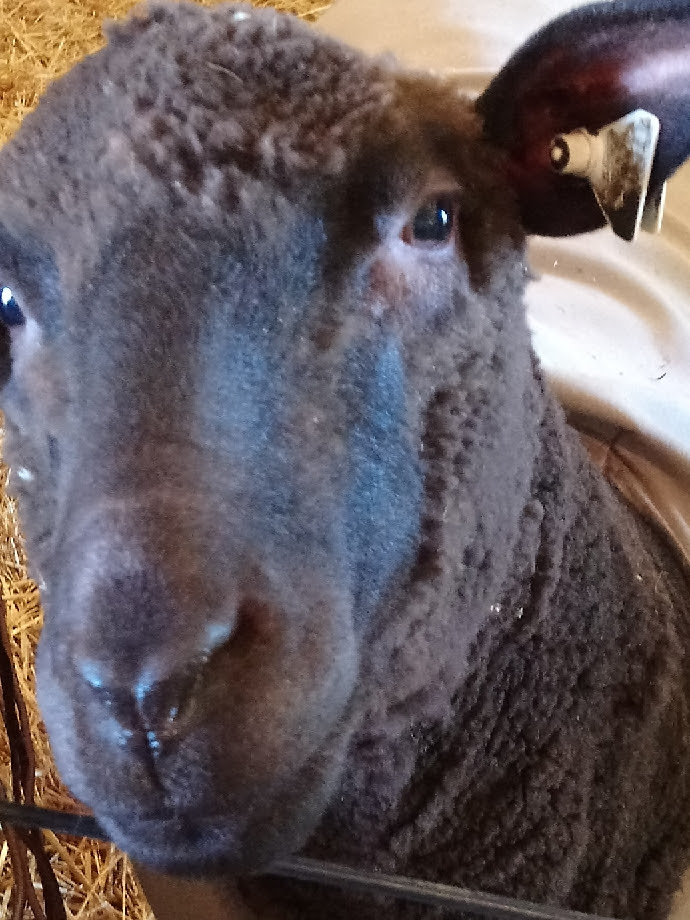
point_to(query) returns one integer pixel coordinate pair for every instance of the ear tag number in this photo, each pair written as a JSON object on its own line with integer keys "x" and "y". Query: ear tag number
{"x": 617, "y": 161}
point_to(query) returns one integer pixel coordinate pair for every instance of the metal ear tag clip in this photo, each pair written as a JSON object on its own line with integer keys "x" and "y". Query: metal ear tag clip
{"x": 617, "y": 161}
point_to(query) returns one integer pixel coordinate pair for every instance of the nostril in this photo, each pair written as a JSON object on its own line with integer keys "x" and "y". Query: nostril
{"x": 163, "y": 703}
{"x": 119, "y": 722}
{"x": 104, "y": 689}
{"x": 253, "y": 626}
{"x": 93, "y": 675}
{"x": 165, "y": 700}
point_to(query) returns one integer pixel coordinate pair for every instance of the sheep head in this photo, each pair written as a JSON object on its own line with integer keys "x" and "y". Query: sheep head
{"x": 228, "y": 237}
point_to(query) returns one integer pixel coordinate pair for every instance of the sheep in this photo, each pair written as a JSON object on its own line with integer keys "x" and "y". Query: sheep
{"x": 325, "y": 569}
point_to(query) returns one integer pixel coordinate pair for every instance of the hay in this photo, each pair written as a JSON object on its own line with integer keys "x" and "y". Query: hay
{"x": 39, "y": 40}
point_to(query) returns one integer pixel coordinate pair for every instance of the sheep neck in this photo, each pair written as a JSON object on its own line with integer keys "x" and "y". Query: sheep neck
{"x": 499, "y": 686}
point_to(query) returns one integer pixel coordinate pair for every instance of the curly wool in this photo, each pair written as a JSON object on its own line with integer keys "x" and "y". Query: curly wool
{"x": 198, "y": 118}
{"x": 551, "y": 765}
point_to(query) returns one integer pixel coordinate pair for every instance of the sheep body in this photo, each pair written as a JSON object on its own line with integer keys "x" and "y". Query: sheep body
{"x": 347, "y": 582}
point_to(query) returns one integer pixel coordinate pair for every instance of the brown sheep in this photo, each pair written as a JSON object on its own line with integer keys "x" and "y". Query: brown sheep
{"x": 325, "y": 568}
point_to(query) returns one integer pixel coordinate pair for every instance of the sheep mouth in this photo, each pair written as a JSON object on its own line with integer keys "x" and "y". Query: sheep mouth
{"x": 183, "y": 845}
{"x": 200, "y": 846}
{"x": 277, "y": 824}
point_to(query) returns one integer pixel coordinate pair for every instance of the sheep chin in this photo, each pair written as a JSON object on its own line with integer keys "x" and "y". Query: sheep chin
{"x": 202, "y": 845}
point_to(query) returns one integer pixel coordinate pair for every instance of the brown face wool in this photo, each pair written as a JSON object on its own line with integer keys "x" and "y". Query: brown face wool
{"x": 39, "y": 41}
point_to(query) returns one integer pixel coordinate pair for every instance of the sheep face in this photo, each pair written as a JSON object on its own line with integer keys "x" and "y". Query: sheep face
{"x": 248, "y": 262}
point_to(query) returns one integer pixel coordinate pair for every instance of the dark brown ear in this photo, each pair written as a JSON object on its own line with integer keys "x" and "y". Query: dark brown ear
{"x": 586, "y": 70}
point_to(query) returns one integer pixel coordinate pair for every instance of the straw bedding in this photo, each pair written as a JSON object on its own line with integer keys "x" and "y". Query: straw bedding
{"x": 39, "y": 40}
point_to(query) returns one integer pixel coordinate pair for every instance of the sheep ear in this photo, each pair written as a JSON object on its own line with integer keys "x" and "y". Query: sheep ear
{"x": 577, "y": 78}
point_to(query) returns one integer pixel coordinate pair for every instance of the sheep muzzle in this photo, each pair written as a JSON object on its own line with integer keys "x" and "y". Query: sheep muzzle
{"x": 188, "y": 702}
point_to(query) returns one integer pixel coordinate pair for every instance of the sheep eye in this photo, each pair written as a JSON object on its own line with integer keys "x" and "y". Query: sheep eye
{"x": 433, "y": 223}
{"x": 10, "y": 311}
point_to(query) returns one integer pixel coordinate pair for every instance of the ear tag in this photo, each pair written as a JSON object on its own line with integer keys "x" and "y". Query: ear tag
{"x": 617, "y": 161}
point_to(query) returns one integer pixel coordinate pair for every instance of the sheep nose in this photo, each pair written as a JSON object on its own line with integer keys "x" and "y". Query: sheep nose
{"x": 158, "y": 701}
{"x": 153, "y": 709}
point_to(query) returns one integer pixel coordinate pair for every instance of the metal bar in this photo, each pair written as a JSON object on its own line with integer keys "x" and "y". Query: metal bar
{"x": 432, "y": 894}
{"x": 47, "y": 819}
